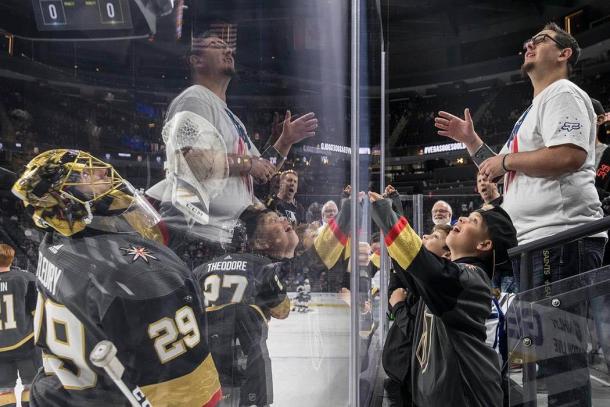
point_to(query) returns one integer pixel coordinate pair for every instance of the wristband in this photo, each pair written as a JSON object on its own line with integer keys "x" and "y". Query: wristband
{"x": 504, "y": 163}
{"x": 247, "y": 160}
{"x": 482, "y": 154}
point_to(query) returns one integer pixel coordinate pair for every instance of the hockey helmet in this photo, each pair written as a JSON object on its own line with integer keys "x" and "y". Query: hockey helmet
{"x": 65, "y": 189}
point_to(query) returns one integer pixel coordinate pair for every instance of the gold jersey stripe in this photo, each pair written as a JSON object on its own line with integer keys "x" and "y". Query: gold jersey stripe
{"x": 8, "y": 399}
{"x": 329, "y": 247}
{"x": 403, "y": 243}
{"x": 18, "y": 344}
{"x": 25, "y": 396}
{"x": 199, "y": 388}
{"x": 375, "y": 259}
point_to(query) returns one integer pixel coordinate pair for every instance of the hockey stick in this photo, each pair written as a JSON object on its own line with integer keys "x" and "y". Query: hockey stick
{"x": 104, "y": 355}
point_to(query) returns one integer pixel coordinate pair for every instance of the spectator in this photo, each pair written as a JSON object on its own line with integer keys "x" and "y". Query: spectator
{"x": 549, "y": 178}
{"x": 441, "y": 213}
{"x": 602, "y": 155}
{"x": 600, "y": 146}
{"x": 214, "y": 185}
{"x": 398, "y": 346}
{"x": 454, "y": 303}
{"x": 329, "y": 211}
{"x": 307, "y": 234}
{"x": 285, "y": 202}
{"x": 314, "y": 213}
{"x": 488, "y": 191}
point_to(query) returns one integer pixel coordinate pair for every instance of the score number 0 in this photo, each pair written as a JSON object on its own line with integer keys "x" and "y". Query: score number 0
{"x": 53, "y": 12}
{"x": 110, "y": 11}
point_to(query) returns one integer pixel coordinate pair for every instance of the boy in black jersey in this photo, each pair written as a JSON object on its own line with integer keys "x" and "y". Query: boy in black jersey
{"x": 102, "y": 277}
{"x": 17, "y": 352}
{"x": 451, "y": 364}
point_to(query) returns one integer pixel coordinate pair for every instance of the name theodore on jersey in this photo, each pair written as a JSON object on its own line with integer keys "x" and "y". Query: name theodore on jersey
{"x": 236, "y": 265}
{"x": 48, "y": 273}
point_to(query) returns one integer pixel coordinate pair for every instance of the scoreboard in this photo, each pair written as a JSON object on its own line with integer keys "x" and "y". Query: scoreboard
{"x": 82, "y": 15}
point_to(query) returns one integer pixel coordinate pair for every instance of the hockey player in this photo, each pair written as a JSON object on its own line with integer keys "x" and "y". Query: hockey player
{"x": 17, "y": 352}
{"x": 304, "y": 296}
{"x": 302, "y": 299}
{"x": 243, "y": 291}
{"x": 451, "y": 364}
{"x": 99, "y": 279}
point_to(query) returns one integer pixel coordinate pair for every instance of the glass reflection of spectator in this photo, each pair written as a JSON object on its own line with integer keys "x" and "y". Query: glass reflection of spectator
{"x": 211, "y": 161}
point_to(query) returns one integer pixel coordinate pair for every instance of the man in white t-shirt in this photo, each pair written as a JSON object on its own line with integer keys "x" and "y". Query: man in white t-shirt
{"x": 548, "y": 167}
{"x": 211, "y": 161}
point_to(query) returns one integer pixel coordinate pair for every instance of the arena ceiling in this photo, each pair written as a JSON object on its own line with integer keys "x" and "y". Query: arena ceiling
{"x": 421, "y": 36}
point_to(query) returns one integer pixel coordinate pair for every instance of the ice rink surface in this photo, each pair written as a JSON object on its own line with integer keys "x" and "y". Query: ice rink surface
{"x": 309, "y": 357}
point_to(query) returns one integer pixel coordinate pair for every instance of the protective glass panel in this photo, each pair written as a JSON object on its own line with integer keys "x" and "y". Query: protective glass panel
{"x": 558, "y": 342}
{"x": 212, "y": 110}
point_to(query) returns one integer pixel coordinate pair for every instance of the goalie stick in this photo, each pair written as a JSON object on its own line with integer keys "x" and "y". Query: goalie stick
{"x": 104, "y": 355}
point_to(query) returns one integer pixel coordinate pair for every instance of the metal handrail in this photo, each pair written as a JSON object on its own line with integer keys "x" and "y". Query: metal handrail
{"x": 562, "y": 238}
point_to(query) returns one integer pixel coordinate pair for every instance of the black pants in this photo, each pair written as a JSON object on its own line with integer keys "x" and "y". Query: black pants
{"x": 396, "y": 394}
{"x": 238, "y": 343}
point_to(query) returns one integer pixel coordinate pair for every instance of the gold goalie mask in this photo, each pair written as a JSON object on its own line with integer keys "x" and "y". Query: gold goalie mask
{"x": 69, "y": 190}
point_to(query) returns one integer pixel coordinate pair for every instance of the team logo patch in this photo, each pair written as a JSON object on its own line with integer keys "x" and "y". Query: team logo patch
{"x": 138, "y": 253}
{"x": 569, "y": 126}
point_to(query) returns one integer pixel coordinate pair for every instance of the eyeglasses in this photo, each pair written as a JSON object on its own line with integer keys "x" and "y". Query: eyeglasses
{"x": 538, "y": 39}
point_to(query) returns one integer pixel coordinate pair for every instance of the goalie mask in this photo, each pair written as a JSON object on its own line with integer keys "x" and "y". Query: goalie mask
{"x": 69, "y": 190}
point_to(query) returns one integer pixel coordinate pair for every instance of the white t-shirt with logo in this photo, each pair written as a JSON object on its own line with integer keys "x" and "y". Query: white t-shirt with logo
{"x": 543, "y": 206}
{"x": 223, "y": 200}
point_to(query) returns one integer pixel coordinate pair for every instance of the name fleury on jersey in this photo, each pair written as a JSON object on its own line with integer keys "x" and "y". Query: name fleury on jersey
{"x": 48, "y": 273}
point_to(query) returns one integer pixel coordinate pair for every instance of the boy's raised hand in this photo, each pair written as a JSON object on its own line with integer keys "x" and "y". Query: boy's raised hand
{"x": 374, "y": 196}
{"x": 398, "y": 295}
{"x": 389, "y": 190}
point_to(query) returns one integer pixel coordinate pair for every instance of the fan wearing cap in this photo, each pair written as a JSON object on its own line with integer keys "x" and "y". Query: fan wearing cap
{"x": 451, "y": 363}
{"x": 100, "y": 276}
{"x": 244, "y": 290}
